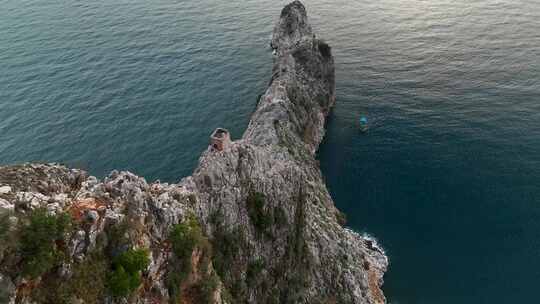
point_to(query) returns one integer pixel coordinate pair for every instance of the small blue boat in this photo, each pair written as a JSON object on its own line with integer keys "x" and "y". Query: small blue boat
{"x": 363, "y": 124}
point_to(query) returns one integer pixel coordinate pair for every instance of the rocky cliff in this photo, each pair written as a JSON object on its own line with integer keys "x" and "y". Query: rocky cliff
{"x": 253, "y": 224}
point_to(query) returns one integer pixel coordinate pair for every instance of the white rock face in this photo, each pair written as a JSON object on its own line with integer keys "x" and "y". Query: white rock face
{"x": 97, "y": 208}
{"x": 311, "y": 252}
{"x": 5, "y": 189}
{"x": 6, "y": 206}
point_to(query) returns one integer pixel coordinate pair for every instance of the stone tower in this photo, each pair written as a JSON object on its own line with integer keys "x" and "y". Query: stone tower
{"x": 220, "y": 139}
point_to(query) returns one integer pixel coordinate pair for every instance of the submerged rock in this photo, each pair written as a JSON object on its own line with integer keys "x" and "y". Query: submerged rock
{"x": 255, "y": 220}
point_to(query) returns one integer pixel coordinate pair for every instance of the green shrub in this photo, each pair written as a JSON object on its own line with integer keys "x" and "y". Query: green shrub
{"x": 4, "y": 295}
{"x": 133, "y": 261}
{"x": 280, "y": 218}
{"x": 6, "y": 240}
{"x": 216, "y": 218}
{"x": 253, "y": 271}
{"x": 274, "y": 297}
{"x": 120, "y": 282}
{"x": 126, "y": 274}
{"x": 258, "y": 216}
{"x": 227, "y": 244}
{"x": 4, "y": 225}
{"x": 185, "y": 237}
{"x": 116, "y": 237}
{"x": 87, "y": 283}
{"x": 173, "y": 281}
{"x": 205, "y": 289}
{"x": 38, "y": 244}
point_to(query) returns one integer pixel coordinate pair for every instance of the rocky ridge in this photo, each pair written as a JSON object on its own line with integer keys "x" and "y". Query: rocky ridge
{"x": 253, "y": 224}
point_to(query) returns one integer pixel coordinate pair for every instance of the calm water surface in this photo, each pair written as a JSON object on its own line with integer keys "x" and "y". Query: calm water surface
{"x": 448, "y": 177}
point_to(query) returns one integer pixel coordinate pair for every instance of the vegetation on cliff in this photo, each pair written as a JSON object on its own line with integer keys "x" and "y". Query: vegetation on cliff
{"x": 191, "y": 249}
{"x": 125, "y": 276}
{"x": 42, "y": 241}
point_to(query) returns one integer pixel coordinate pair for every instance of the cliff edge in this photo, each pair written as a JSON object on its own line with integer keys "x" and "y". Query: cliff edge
{"x": 253, "y": 224}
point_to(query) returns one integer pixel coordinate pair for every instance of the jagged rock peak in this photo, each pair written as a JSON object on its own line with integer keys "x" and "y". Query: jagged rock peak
{"x": 302, "y": 89}
{"x": 292, "y": 27}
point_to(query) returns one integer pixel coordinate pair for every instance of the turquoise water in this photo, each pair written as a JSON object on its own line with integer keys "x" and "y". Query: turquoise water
{"x": 447, "y": 178}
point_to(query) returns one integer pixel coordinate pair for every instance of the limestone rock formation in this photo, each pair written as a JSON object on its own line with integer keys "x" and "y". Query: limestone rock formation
{"x": 253, "y": 224}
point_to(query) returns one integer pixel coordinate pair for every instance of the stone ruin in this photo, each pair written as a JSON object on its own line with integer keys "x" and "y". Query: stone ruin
{"x": 220, "y": 139}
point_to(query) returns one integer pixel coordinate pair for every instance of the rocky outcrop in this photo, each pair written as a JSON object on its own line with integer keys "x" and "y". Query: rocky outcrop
{"x": 255, "y": 218}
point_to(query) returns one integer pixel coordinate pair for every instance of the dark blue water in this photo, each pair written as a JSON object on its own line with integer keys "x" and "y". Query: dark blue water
{"x": 447, "y": 178}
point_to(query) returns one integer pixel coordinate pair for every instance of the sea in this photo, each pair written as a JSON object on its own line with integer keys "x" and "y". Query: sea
{"x": 447, "y": 178}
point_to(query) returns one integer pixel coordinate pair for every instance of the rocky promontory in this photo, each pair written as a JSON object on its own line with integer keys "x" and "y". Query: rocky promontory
{"x": 253, "y": 224}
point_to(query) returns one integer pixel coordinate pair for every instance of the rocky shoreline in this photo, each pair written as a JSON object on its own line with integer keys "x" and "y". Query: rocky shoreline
{"x": 253, "y": 224}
